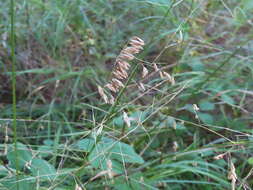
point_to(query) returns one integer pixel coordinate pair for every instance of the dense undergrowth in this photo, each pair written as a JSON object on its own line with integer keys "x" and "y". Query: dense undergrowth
{"x": 193, "y": 134}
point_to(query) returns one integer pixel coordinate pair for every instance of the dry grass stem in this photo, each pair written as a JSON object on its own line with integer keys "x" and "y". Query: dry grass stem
{"x": 165, "y": 75}
{"x": 232, "y": 175}
{"x": 141, "y": 87}
{"x": 109, "y": 169}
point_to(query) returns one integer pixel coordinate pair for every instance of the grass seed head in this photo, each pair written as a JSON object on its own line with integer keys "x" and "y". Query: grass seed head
{"x": 117, "y": 83}
{"x": 136, "y": 41}
{"x": 111, "y": 87}
{"x": 131, "y": 50}
{"x": 102, "y": 94}
{"x": 126, "y": 119}
{"x": 175, "y": 146}
{"x": 165, "y": 75}
{"x": 144, "y": 72}
{"x": 118, "y": 75}
{"x": 122, "y": 64}
{"x": 111, "y": 100}
{"x": 120, "y": 72}
{"x": 156, "y": 68}
{"x": 195, "y": 107}
{"x": 126, "y": 56}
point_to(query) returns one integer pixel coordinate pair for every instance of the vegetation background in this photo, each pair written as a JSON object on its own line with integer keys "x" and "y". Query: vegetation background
{"x": 57, "y": 133}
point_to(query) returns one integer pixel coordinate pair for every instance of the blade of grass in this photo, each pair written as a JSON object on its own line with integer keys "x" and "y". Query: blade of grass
{"x": 13, "y": 63}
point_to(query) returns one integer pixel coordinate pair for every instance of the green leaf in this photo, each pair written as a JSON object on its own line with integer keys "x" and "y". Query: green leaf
{"x": 159, "y": 2}
{"x": 98, "y": 156}
{"x": 23, "y": 183}
{"x": 3, "y": 171}
{"x": 109, "y": 149}
{"x": 100, "y": 153}
{"x": 139, "y": 116}
{"x": 206, "y": 106}
{"x": 44, "y": 170}
{"x": 22, "y": 156}
{"x": 188, "y": 107}
{"x": 34, "y": 71}
{"x": 48, "y": 142}
{"x": 45, "y": 151}
{"x": 188, "y": 181}
{"x": 227, "y": 99}
{"x": 125, "y": 153}
{"x": 117, "y": 166}
{"x": 250, "y": 160}
{"x": 170, "y": 122}
{"x": 136, "y": 182}
{"x": 206, "y": 118}
{"x": 240, "y": 16}
{"x": 85, "y": 144}
{"x": 196, "y": 65}
{"x": 67, "y": 75}
{"x": 247, "y": 4}
{"x": 118, "y": 121}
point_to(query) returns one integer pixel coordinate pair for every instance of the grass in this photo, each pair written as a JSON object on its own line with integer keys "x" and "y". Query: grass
{"x": 56, "y": 131}
{"x": 13, "y": 78}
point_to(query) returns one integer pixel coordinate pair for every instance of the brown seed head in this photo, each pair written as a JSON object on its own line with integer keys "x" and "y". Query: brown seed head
{"x": 144, "y": 72}
{"x": 111, "y": 87}
{"x": 117, "y": 83}
{"x": 131, "y": 50}
{"x": 102, "y": 94}
{"x": 126, "y": 56}
{"x": 136, "y": 41}
{"x": 122, "y": 64}
{"x": 122, "y": 72}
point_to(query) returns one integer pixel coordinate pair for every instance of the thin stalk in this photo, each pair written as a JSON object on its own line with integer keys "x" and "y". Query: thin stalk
{"x": 211, "y": 75}
{"x": 155, "y": 29}
{"x": 13, "y": 63}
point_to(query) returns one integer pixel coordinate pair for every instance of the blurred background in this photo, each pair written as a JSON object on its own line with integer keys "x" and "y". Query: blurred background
{"x": 191, "y": 135}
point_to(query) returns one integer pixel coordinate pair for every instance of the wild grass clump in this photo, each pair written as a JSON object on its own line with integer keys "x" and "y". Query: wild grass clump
{"x": 87, "y": 106}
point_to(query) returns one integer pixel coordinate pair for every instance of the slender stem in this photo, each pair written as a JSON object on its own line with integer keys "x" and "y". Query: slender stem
{"x": 212, "y": 74}
{"x": 13, "y": 63}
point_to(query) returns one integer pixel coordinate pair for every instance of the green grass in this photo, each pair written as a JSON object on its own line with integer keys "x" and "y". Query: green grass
{"x": 56, "y": 132}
